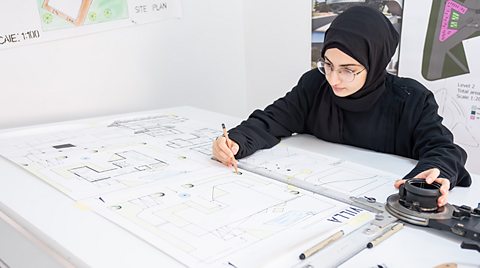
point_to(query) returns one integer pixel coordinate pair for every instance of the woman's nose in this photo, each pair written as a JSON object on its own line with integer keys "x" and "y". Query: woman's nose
{"x": 334, "y": 78}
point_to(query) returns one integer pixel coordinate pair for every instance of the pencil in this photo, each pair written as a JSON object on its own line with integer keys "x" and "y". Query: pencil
{"x": 395, "y": 228}
{"x": 225, "y": 134}
{"x": 309, "y": 252}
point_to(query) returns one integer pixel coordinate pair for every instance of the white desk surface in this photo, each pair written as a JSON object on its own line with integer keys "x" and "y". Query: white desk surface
{"x": 85, "y": 239}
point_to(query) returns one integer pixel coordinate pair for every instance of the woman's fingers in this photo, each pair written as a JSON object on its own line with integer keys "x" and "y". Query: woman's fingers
{"x": 398, "y": 183}
{"x": 429, "y": 175}
{"x": 222, "y": 152}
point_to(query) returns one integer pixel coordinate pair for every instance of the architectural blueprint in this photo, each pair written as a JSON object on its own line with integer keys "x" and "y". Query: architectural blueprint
{"x": 106, "y": 157}
{"x": 215, "y": 218}
{"x": 152, "y": 174}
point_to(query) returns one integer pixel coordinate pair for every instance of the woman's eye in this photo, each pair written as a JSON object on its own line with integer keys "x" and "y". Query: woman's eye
{"x": 346, "y": 71}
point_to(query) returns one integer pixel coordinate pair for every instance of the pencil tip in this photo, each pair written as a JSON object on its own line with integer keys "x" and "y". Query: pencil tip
{"x": 302, "y": 256}
{"x": 223, "y": 125}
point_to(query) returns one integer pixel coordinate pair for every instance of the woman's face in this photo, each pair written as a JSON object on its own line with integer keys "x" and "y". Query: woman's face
{"x": 344, "y": 74}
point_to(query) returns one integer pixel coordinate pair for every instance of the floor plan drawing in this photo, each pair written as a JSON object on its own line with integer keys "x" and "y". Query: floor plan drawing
{"x": 107, "y": 157}
{"x": 173, "y": 131}
{"x": 155, "y": 126}
{"x": 208, "y": 217}
{"x": 152, "y": 174}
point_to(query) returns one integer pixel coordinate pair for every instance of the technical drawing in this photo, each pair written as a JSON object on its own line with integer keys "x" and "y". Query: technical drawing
{"x": 455, "y": 118}
{"x": 124, "y": 154}
{"x": 203, "y": 221}
{"x": 320, "y": 170}
{"x": 153, "y": 176}
{"x": 200, "y": 141}
{"x": 121, "y": 163}
{"x": 176, "y": 132}
{"x": 155, "y": 126}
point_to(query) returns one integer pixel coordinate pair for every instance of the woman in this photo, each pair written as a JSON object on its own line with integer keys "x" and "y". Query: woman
{"x": 351, "y": 99}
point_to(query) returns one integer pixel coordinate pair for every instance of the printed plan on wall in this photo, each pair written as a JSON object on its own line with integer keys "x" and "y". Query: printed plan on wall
{"x": 440, "y": 48}
{"x": 152, "y": 173}
{"x": 33, "y": 21}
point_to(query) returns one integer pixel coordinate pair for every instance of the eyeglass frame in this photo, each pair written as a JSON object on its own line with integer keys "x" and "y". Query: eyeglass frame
{"x": 355, "y": 74}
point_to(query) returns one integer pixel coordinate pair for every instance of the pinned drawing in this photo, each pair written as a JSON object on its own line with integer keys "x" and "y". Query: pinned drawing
{"x": 61, "y": 14}
{"x": 73, "y": 11}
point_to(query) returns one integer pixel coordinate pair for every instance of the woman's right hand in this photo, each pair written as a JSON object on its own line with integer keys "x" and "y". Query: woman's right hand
{"x": 225, "y": 150}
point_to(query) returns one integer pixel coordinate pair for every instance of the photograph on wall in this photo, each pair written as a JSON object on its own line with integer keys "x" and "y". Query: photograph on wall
{"x": 325, "y": 11}
{"x": 440, "y": 41}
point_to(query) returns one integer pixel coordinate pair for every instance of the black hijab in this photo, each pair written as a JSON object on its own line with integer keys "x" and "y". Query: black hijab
{"x": 369, "y": 37}
{"x": 366, "y": 35}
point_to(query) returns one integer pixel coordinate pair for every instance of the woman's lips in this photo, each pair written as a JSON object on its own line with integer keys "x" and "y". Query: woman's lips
{"x": 337, "y": 89}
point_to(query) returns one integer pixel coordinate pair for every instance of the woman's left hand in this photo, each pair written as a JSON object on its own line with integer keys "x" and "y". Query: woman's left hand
{"x": 430, "y": 176}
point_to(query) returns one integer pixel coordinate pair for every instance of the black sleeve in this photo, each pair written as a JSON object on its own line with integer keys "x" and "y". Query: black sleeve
{"x": 282, "y": 118}
{"x": 433, "y": 143}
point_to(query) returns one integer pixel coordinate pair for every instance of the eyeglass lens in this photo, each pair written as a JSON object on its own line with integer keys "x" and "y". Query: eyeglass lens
{"x": 343, "y": 74}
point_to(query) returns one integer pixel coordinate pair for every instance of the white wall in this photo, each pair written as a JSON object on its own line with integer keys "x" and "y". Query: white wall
{"x": 277, "y": 47}
{"x": 225, "y": 56}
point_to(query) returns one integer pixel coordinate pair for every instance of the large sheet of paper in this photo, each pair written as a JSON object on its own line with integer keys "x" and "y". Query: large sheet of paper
{"x": 216, "y": 218}
{"x": 321, "y": 173}
{"x": 152, "y": 174}
{"x": 86, "y": 160}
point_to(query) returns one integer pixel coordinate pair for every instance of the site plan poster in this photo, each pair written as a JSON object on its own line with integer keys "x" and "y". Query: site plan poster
{"x": 440, "y": 48}
{"x": 33, "y": 21}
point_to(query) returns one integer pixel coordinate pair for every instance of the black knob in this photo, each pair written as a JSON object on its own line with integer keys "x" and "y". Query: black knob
{"x": 470, "y": 245}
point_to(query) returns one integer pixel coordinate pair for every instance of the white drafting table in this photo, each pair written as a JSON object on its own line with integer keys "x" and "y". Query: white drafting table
{"x": 44, "y": 226}
{"x": 413, "y": 246}
{"x": 67, "y": 234}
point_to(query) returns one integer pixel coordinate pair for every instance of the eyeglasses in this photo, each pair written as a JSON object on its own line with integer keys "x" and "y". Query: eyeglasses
{"x": 344, "y": 74}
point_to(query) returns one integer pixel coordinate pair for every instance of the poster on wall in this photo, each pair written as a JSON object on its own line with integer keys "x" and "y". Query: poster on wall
{"x": 440, "y": 49}
{"x": 325, "y": 11}
{"x": 33, "y": 21}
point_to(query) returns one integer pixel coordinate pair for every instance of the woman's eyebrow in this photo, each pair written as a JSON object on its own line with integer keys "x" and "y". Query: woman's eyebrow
{"x": 343, "y": 65}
